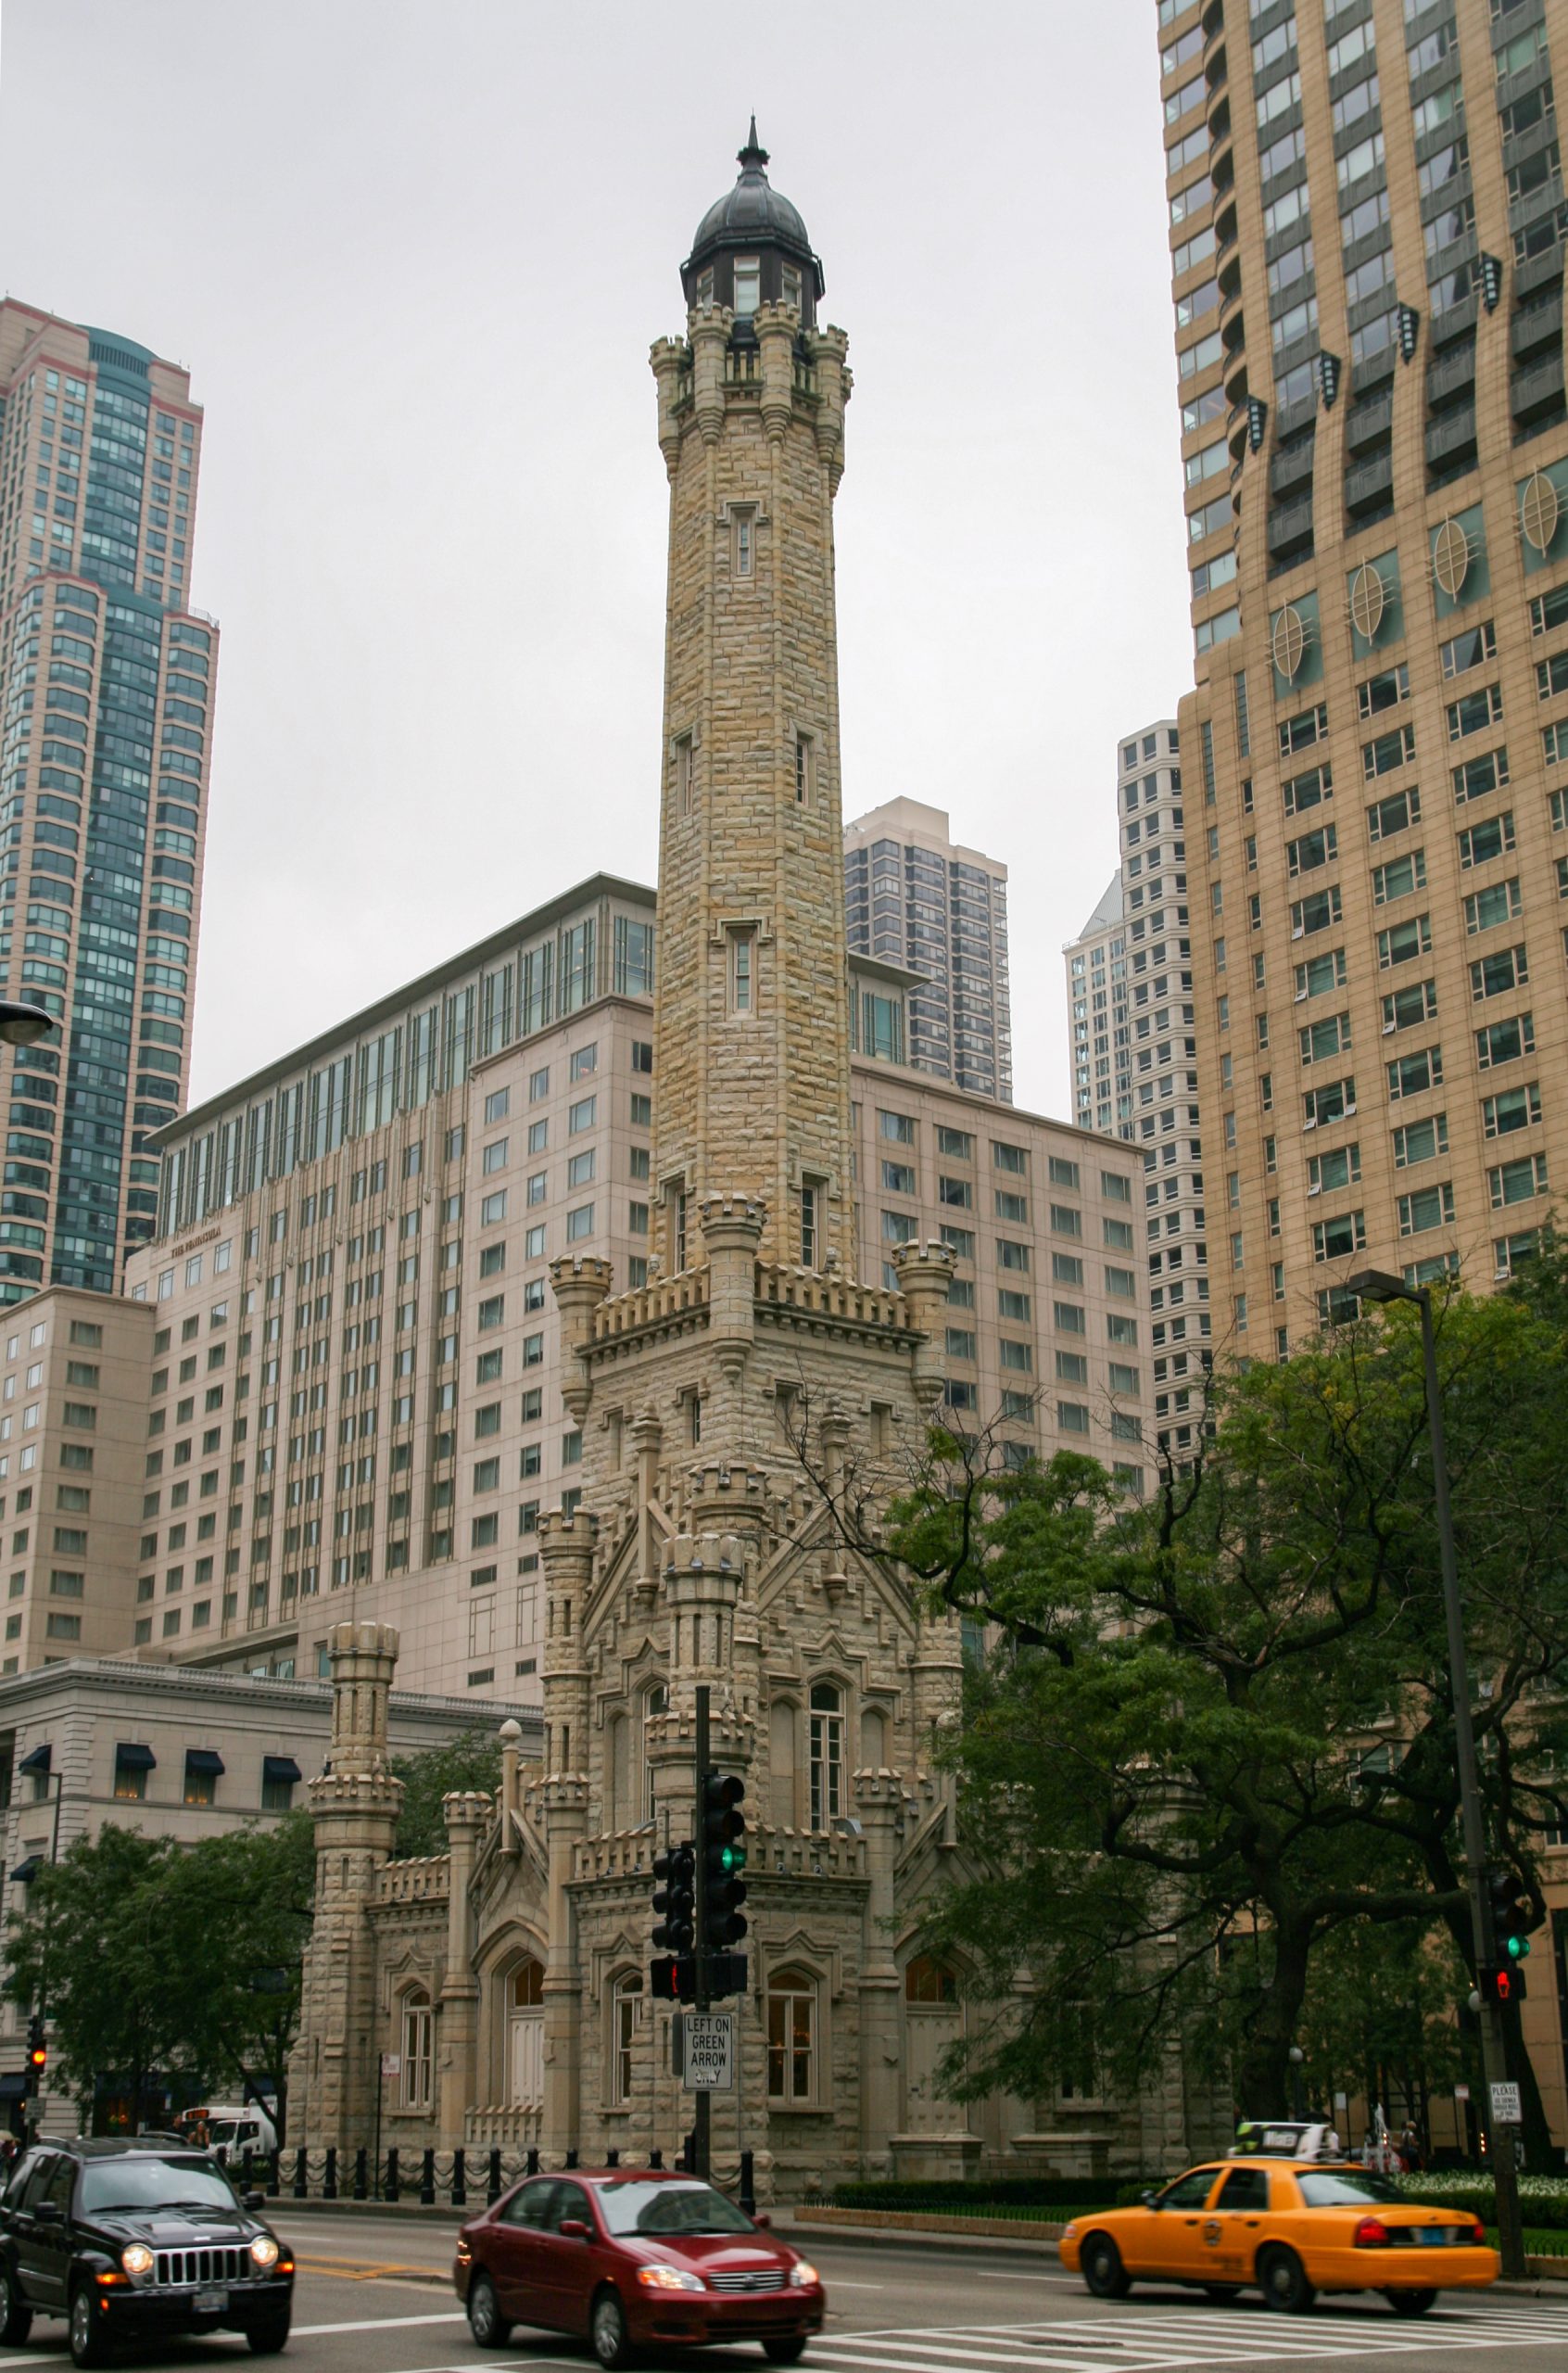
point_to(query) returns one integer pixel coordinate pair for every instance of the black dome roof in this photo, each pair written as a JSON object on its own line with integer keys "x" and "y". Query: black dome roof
{"x": 753, "y": 212}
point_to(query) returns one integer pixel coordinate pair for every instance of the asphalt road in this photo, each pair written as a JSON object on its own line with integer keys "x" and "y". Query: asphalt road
{"x": 373, "y": 2293}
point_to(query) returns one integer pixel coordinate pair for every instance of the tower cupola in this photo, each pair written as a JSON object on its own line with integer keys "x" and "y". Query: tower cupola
{"x": 751, "y": 249}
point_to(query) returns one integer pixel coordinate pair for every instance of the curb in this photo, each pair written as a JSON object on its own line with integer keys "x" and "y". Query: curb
{"x": 891, "y": 2220}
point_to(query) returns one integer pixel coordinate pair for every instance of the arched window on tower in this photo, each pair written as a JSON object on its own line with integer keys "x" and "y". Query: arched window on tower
{"x": 418, "y": 2054}
{"x": 655, "y": 1704}
{"x": 626, "y": 2002}
{"x": 827, "y": 1753}
{"x": 791, "y": 2036}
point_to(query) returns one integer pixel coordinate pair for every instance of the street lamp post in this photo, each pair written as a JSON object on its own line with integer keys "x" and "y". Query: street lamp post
{"x": 1298, "y": 2084}
{"x": 1379, "y": 1285}
{"x": 23, "y": 1025}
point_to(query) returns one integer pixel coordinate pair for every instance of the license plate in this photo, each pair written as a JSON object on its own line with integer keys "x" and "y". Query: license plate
{"x": 211, "y": 2303}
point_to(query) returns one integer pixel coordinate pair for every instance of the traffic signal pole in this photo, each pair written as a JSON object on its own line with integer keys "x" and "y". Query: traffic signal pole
{"x": 702, "y": 2101}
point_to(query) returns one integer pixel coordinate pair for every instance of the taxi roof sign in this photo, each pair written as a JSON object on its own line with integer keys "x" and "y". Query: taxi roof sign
{"x": 1285, "y": 2138}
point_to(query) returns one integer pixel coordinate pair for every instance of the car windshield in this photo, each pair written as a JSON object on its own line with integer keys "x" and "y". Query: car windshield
{"x": 1354, "y": 2188}
{"x": 655, "y": 2208}
{"x": 153, "y": 2183}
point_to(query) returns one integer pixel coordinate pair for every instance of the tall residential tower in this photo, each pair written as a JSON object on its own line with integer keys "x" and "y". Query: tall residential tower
{"x": 914, "y": 897}
{"x": 106, "y": 685}
{"x": 1367, "y": 211}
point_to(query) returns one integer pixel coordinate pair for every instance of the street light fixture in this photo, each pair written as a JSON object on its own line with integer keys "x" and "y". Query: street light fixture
{"x": 1380, "y": 1285}
{"x": 23, "y": 1025}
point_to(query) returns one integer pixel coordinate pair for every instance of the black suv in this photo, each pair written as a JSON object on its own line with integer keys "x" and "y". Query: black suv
{"x": 138, "y": 2240}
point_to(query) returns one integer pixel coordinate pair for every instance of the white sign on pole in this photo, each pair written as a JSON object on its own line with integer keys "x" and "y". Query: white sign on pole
{"x": 1461, "y": 2092}
{"x": 1505, "y": 2105}
{"x": 391, "y": 2063}
{"x": 707, "y": 2051}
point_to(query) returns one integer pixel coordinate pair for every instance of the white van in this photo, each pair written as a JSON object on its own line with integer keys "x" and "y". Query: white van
{"x": 232, "y": 2132}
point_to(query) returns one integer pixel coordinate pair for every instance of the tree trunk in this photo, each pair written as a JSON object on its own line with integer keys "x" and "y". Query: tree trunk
{"x": 1263, "y": 2069}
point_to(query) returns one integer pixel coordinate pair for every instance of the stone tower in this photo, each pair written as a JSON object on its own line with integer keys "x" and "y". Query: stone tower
{"x": 752, "y": 1064}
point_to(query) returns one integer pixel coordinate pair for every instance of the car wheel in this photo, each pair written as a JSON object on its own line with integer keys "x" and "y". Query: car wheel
{"x": 1224, "y": 2295}
{"x": 89, "y": 2342}
{"x": 1282, "y": 2278}
{"x": 1100, "y": 2262}
{"x": 607, "y": 2328}
{"x": 269, "y": 2335}
{"x": 16, "y": 2317}
{"x": 1411, "y": 2303}
{"x": 785, "y": 2352}
{"x": 489, "y": 2327}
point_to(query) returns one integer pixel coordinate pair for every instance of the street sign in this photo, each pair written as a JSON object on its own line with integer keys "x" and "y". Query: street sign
{"x": 706, "y": 2045}
{"x": 391, "y": 2063}
{"x": 1461, "y": 2092}
{"x": 1505, "y": 2105}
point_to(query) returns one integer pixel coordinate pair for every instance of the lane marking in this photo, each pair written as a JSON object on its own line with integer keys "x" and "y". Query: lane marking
{"x": 378, "y": 2324}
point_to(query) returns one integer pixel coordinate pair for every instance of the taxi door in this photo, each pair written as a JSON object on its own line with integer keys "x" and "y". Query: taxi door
{"x": 1234, "y": 2222}
{"x": 1171, "y": 2240}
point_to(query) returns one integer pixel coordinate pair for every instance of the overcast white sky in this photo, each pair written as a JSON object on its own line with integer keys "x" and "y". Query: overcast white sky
{"x": 414, "y": 253}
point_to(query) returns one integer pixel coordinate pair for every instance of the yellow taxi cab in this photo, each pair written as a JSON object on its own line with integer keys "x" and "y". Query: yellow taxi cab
{"x": 1287, "y": 2226}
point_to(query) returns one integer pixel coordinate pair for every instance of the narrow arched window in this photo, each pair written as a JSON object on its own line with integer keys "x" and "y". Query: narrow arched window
{"x": 418, "y": 2048}
{"x": 791, "y": 2036}
{"x": 625, "y": 2003}
{"x": 827, "y": 1753}
{"x": 655, "y": 1704}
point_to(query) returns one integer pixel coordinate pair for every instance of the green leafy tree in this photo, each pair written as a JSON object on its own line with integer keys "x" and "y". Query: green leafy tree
{"x": 471, "y": 1760}
{"x": 158, "y": 1960}
{"x": 1219, "y": 1729}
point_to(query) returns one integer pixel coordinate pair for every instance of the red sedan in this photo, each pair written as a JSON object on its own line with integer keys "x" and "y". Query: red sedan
{"x": 630, "y": 2256}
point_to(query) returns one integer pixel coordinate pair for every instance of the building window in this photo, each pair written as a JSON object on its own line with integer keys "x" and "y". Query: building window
{"x": 804, "y": 754}
{"x": 132, "y": 1764}
{"x": 743, "y": 529}
{"x": 280, "y": 1777}
{"x": 742, "y": 945}
{"x": 810, "y": 1223}
{"x": 204, "y": 1769}
{"x": 526, "y": 2039}
{"x": 417, "y": 2054}
{"x": 827, "y": 1753}
{"x": 624, "y": 2003}
{"x": 655, "y": 1704}
{"x": 791, "y": 2036}
{"x": 748, "y": 284}
{"x": 686, "y": 773}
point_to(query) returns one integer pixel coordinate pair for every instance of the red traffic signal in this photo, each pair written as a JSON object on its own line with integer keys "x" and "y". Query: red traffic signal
{"x": 38, "y": 2056}
{"x": 1501, "y": 1985}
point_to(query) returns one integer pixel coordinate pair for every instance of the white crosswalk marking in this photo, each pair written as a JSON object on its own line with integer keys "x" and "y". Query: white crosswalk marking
{"x": 1161, "y": 2339}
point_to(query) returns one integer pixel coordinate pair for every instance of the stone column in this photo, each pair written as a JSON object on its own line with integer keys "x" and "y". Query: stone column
{"x": 879, "y": 1804}
{"x": 566, "y": 1550}
{"x": 925, "y": 1272}
{"x": 466, "y": 1814}
{"x": 355, "y": 1805}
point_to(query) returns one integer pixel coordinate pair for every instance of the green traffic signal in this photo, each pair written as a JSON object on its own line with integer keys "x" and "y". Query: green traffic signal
{"x": 1517, "y": 1947}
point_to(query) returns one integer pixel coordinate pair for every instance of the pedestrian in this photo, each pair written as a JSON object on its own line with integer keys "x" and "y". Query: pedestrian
{"x": 1410, "y": 2147}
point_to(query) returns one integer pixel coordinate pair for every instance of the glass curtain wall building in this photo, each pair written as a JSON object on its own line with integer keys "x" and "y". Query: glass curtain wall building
{"x": 106, "y": 682}
{"x": 1366, "y": 225}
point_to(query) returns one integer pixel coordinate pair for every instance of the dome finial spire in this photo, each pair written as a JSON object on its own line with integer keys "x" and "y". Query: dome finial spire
{"x": 753, "y": 152}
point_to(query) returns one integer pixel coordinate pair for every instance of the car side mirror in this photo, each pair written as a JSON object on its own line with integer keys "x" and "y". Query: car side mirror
{"x": 47, "y": 2213}
{"x": 1151, "y": 2200}
{"x": 572, "y": 2229}
{"x": 763, "y": 2219}
{"x": 254, "y": 2199}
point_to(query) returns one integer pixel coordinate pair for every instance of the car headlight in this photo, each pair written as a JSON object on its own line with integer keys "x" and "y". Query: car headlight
{"x": 668, "y": 2278}
{"x": 137, "y": 2258}
{"x": 1069, "y": 2232}
{"x": 803, "y": 2275}
{"x": 264, "y": 2250}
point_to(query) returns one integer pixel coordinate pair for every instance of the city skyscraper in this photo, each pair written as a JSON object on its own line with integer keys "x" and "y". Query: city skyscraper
{"x": 1367, "y": 212}
{"x": 915, "y": 898}
{"x": 1130, "y": 998}
{"x": 106, "y": 686}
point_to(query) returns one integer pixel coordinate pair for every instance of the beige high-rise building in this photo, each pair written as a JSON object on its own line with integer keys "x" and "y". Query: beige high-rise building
{"x": 1367, "y": 222}
{"x": 106, "y": 680}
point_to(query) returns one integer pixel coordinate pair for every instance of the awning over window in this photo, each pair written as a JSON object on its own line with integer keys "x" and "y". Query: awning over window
{"x": 13, "y": 2085}
{"x": 278, "y": 1767}
{"x": 37, "y": 1758}
{"x": 203, "y": 1759}
{"x": 135, "y": 1759}
{"x": 25, "y": 1871}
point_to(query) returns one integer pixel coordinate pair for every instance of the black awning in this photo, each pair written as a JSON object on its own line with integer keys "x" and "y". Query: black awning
{"x": 36, "y": 1759}
{"x": 13, "y": 2085}
{"x": 278, "y": 1767}
{"x": 204, "y": 1758}
{"x": 25, "y": 1871}
{"x": 135, "y": 1759}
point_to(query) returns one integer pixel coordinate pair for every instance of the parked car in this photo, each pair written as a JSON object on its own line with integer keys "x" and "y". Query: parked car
{"x": 631, "y": 2257}
{"x": 138, "y": 2240}
{"x": 232, "y": 2132}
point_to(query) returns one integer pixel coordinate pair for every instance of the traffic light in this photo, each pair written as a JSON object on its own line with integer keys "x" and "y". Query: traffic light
{"x": 1501, "y": 1985}
{"x": 676, "y": 1899}
{"x": 722, "y": 1842}
{"x": 1511, "y": 1911}
{"x": 37, "y": 2051}
{"x": 673, "y": 1979}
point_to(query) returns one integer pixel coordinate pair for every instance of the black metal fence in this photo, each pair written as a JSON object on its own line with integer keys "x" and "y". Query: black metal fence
{"x": 460, "y": 2180}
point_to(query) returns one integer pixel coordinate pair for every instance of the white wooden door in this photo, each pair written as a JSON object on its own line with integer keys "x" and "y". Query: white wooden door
{"x": 527, "y": 2059}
